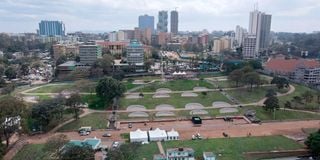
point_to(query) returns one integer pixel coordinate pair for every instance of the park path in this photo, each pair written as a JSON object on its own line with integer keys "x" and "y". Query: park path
{"x": 161, "y": 150}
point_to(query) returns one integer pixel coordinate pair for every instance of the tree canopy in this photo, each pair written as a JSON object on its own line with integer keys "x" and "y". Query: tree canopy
{"x": 83, "y": 152}
{"x": 109, "y": 88}
{"x": 271, "y": 103}
{"x": 313, "y": 143}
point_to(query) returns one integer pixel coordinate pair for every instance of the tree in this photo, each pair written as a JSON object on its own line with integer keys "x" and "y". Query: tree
{"x": 2, "y": 69}
{"x": 255, "y": 64}
{"x": 8, "y": 88}
{"x": 24, "y": 69}
{"x": 287, "y": 104}
{"x": 236, "y": 76}
{"x": 61, "y": 59}
{"x": 105, "y": 63}
{"x": 11, "y": 73}
{"x": 83, "y": 152}
{"x": 313, "y": 143}
{"x": 318, "y": 96}
{"x": 271, "y": 103}
{"x": 47, "y": 112}
{"x": 271, "y": 93}
{"x": 73, "y": 102}
{"x": 251, "y": 78}
{"x": 12, "y": 111}
{"x": 2, "y": 82}
{"x": 55, "y": 143}
{"x": 109, "y": 88}
{"x": 280, "y": 82}
{"x": 126, "y": 151}
{"x": 308, "y": 96}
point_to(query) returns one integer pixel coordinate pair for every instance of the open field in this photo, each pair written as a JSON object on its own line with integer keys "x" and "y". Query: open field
{"x": 177, "y": 85}
{"x": 175, "y": 100}
{"x": 280, "y": 114}
{"x": 247, "y": 96}
{"x": 96, "y": 120}
{"x": 31, "y": 152}
{"x": 232, "y": 148}
{"x": 300, "y": 89}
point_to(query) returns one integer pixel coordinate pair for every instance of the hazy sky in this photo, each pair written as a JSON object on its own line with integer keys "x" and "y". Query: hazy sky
{"x": 108, "y": 15}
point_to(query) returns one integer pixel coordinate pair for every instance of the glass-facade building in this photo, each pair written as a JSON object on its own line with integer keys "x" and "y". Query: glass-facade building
{"x": 145, "y": 22}
{"x": 51, "y": 28}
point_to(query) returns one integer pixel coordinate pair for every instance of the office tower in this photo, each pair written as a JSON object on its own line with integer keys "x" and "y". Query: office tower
{"x": 51, "y": 28}
{"x": 249, "y": 47}
{"x": 113, "y": 36}
{"x": 162, "y": 25}
{"x": 174, "y": 19}
{"x": 239, "y": 35}
{"x": 89, "y": 53}
{"x": 146, "y": 22}
{"x": 135, "y": 52}
{"x": 259, "y": 25}
{"x": 221, "y": 44}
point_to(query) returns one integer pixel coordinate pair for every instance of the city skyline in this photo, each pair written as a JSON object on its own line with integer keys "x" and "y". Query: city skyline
{"x": 106, "y": 15}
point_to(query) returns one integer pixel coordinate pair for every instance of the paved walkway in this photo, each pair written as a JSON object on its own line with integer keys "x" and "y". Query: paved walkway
{"x": 161, "y": 150}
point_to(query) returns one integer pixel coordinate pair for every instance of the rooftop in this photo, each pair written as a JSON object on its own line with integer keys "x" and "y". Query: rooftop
{"x": 290, "y": 65}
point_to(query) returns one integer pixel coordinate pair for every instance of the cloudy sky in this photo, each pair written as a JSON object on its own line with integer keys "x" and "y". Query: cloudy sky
{"x": 109, "y": 15}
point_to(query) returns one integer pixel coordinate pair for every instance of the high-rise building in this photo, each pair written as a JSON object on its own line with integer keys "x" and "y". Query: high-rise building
{"x": 146, "y": 22}
{"x": 174, "y": 19}
{"x": 239, "y": 35}
{"x": 135, "y": 52}
{"x": 249, "y": 47}
{"x": 113, "y": 36}
{"x": 162, "y": 25}
{"x": 89, "y": 53}
{"x": 221, "y": 44}
{"x": 51, "y": 28}
{"x": 259, "y": 25}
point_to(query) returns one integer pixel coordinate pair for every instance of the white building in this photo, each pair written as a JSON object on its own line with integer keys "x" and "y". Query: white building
{"x": 135, "y": 53}
{"x": 157, "y": 135}
{"x": 172, "y": 135}
{"x": 239, "y": 35}
{"x": 138, "y": 136}
{"x": 113, "y": 36}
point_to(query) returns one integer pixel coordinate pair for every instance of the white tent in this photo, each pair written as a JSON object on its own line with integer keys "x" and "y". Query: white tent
{"x": 157, "y": 135}
{"x": 138, "y": 136}
{"x": 172, "y": 135}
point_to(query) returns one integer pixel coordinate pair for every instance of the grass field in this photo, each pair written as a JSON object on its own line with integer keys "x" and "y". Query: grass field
{"x": 31, "y": 152}
{"x": 246, "y": 96}
{"x": 300, "y": 89}
{"x": 177, "y": 85}
{"x": 175, "y": 100}
{"x": 95, "y": 120}
{"x": 280, "y": 114}
{"x": 233, "y": 148}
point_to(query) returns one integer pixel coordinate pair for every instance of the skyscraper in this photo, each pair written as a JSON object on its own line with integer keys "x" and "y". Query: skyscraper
{"x": 146, "y": 22}
{"x": 259, "y": 25}
{"x": 162, "y": 25}
{"x": 51, "y": 28}
{"x": 239, "y": 35}
{"x": 174, "y": 22}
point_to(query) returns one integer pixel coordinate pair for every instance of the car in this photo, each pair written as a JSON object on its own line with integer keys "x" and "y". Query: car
{"x": 129, "y": 125}
{"x": 115, "y": 144}
{"x": 144, "y": 142}
{"x": 106, "y": 135}
{"x": 84, "y": 133}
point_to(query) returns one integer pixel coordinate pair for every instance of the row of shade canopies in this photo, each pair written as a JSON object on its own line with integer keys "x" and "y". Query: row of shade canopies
{"x": 153, "y": 135}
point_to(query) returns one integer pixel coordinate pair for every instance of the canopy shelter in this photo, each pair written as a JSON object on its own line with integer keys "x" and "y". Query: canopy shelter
{"x": 138, "y": 136}
{"x": 157, "y": 135}
{"x": 172, "y": 135}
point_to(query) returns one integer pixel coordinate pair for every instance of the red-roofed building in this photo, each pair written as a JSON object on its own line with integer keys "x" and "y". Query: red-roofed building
{"x": 300, "y": 70}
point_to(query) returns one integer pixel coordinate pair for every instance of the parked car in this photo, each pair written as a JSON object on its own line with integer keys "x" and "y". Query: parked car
{"x": 115, "y": 144}
{"x": 106, "y": 135}
{"x": 84, "y": 133}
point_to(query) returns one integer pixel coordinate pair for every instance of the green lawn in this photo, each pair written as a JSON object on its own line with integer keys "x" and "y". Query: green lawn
{"x": 175, "y": 100}
{"x": 300, "y": 89}
{"x": 233, "y": 148}
{"x": 95, "y": 120}
{"x": 177, "y": 85}
{"x": 147, "y": 151}
{"x": 31, "y": 152}
{"x": 246, "y": 96}
{"x": 129, "y": 85}
{"x": 280, "y": 114}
